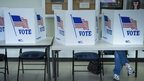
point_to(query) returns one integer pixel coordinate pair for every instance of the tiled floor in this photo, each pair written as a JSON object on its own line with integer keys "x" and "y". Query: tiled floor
{"x": 66, "y": 75}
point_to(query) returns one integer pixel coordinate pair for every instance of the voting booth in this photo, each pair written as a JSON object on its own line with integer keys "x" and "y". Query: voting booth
{"x": 75, "y": 27}
{"x": 24, "y": 25}
{"x": 2, "y": 26}
{"x": 123, "y": 26}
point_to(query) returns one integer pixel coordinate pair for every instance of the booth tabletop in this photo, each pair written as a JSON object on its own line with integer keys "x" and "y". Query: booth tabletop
{"x": 100, "y": 45}
{"x": 42, "y": 43}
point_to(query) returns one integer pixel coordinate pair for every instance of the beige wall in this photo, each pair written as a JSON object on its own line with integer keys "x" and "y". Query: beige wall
{"x": 21, "y": 3}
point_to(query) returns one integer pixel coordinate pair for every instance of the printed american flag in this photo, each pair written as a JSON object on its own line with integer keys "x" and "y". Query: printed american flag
{"x": 127, "y": 22}
{"x": 59, "y": 22}
{"x": 107, "y": 22}
{"x": 80, "y": 23}
{"x": 1, "y": 21}
{"x": 19, "y": 22}
{"x": 39, "y": 20}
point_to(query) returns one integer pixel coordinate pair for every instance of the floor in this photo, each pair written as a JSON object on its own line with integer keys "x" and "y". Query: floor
{"x": 65, "y": 74}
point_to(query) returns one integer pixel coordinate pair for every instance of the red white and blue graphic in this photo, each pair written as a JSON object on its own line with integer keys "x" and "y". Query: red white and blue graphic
{"x": 130, "y": 24}
{"x": 40, "y": 20}
{"x": 1, "y": 21}
{"x": 107, "y": 22}
{"x": 107, "y": 25}
{"x": 40, "y": 23}
{"x": 19, "y": 21}
{"x": 1, "y": 24}
{"x": 60, "y": 27}
{"x": 59, "y": 22}
{"x": 79, "y": 23}
{"x": 21, "y": 24}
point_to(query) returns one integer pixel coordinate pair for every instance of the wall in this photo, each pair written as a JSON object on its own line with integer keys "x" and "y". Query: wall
{"x": 21, "y": 3}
